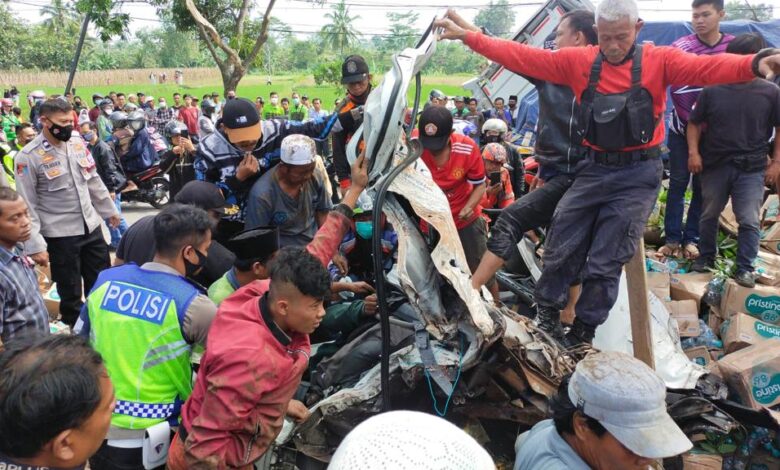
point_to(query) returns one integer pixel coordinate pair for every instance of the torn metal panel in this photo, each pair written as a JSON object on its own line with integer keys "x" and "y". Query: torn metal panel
{"x": 672, "y": 364}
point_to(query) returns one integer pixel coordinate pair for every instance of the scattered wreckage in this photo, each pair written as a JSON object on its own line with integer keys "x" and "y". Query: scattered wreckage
{"x": 444, "y": 348}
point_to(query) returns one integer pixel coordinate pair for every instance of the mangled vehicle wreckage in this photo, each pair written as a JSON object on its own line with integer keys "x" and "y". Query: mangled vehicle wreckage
{"x": 442, "y": 347}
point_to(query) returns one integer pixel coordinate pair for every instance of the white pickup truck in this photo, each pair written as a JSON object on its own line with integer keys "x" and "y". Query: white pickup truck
{"x": 496, "y": 81}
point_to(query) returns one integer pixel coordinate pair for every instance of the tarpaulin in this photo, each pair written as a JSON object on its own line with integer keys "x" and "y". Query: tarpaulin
{"x": 664, "y": 33}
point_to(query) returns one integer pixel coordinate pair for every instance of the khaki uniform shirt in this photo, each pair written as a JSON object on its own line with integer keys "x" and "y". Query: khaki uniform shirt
{"x": 62, "y": 189}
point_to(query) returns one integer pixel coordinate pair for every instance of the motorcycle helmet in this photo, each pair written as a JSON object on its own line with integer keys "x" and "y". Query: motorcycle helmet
{"x": 136, "y": 120}
{"x": 118, "y": 119}
{"x": 496, "y": 125}
{"x": 107, "y": 106}
{"x": 208, "y": 107}
{"x": 174, "y": 128}
{"x": 437, "y": 94}
{"x": 129, "y": 107}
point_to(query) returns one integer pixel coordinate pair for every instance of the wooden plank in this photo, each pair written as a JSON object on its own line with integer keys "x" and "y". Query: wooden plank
{"x": 641, "y": 329}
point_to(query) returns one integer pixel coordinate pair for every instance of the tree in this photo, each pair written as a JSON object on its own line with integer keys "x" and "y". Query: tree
{"x": 340, "y": 32}
{"x": 498, "y": 18}
{"x": 60, "y": 17}
{"x": 743, "y": 10}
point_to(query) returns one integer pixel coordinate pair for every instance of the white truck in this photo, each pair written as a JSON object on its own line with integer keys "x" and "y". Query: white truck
{"x": 496, "y": 81}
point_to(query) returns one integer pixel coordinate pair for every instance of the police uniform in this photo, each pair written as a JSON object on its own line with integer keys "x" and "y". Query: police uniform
{"x": 161, "y": 315}
{"x": 67, "y": 202}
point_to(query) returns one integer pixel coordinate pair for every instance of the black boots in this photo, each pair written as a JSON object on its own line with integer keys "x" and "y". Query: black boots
{"x": 548, "y": 319}
{"x": 579, "y": 334}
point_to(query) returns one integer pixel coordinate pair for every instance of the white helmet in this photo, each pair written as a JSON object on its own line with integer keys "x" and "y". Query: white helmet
{"x": 495, "y": 125}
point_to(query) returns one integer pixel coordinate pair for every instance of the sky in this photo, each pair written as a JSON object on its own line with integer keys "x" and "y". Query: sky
{"x": 306, "y": 17}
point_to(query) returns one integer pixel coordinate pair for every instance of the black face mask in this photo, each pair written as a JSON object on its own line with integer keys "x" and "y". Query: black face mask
{"x": 61, "y": 133}
{"x": 190, "y": 268}
{"x": 492, "y": 138}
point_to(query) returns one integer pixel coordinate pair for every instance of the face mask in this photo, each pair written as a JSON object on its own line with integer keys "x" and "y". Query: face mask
{"x": 107, "y": 111}
{"x": 88, "y": 136}
{"x": 493, "y": 138}
{"x": 162, "y": 105}
{"x": 296, "y": 101}
{"x": 274, "y": 101}
{"x": 61, "y": 133}
{"x": 190, "y": 269}
{"x": 364, "y": 229}
{"x": 230, "y": 97}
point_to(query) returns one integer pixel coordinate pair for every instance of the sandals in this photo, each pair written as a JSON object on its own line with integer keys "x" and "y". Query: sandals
{"x": 670, "y": 250}
{"x": 690, "y": 251}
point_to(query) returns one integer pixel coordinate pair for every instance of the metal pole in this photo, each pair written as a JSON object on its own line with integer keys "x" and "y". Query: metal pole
{"x": 74, "y": 65}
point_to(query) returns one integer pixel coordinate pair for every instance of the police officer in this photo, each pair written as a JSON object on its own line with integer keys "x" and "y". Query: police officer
{"x": 621, "y": 88}
{"x": 355, "y": 75}
{"x": 160, "y": 315}
{"x": 57, "y": 177}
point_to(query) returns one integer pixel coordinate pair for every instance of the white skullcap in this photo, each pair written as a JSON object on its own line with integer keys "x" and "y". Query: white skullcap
{"x": 409, "y": 440}
{"x": 298, "y": 149}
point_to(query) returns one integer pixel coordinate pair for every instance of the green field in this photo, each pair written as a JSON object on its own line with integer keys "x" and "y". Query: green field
{"x": 251, "y": 87}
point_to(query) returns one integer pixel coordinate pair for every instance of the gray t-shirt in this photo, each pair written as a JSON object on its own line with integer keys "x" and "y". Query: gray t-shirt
{"x": 296, "y": 218}
{"x": 543, "y": 447}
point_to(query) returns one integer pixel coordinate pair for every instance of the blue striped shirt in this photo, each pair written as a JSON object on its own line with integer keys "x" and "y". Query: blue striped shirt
{"x": 22, "y": 309}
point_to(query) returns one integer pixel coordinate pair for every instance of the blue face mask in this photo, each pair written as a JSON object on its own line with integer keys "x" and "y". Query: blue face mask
{"x": 88, "y": 136}
{"x": 296, "y": 101}
{"x": 364, "y": 229}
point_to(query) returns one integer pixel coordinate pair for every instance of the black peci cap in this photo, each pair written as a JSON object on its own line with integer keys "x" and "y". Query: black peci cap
{"x": 354, "y": 69}
{"x": 435, "y": 127}
{"x": 260, "y": 242}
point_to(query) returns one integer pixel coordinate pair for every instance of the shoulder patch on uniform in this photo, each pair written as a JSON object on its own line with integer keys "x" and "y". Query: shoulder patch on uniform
{"x": 22, "y": 169}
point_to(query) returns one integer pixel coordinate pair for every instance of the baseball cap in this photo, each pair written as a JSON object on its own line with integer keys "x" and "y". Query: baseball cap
{"x": 202, "y": 194}
{"x": 149, "y": 98}
{"x": 458, "y": 99}
{"x": 435, "y": 127}
{"x": 409, "y": 440}
{"x": 214, "y": 94}
{"x": 241, "y": 120}
{"x": 298, "y": 149}
{"x": 629, "y": 399}
{"x": 354, "y": 69}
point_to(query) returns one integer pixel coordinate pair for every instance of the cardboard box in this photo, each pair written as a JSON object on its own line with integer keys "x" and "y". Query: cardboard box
{"x": 754, "y": 374}
{"x": 695, "y": 461}
{"x": 716, "y": 354}
{"x": 762, "y": 302}
{"x": 771, "y": 238}
{"x": 686, "y": 312}
{"x": 659, "y": 284}
{"x": 714, "y": 320}
{"x": 743, "y": 331}
{"x": 760, "y": 459}
{"x": 689, "y": 286}
{"x": 768, "y": 268}
{"x": 52, "y": 300}
{"x": 700, "y": 355}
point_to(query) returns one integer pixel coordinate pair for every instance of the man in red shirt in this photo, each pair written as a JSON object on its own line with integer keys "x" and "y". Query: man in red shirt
{"x": 457, "y": 168}
{"x": 188, "y": 114}
{"x": 621, "y": 89}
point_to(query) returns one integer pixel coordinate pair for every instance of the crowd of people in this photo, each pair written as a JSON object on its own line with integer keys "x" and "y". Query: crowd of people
{"x": 189, "y": 350}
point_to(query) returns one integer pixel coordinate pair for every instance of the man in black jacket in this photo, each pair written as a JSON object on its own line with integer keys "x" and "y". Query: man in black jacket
{"x": 557, "y": 151}
{"x": 110, "y": 172}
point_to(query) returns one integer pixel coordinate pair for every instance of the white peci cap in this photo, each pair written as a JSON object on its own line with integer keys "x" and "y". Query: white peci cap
{"x": 298, "y": 149}
{"x": 409, "y": 440}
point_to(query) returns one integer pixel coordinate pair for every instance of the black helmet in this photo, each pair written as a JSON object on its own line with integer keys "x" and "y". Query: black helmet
{"x": 136, "y": 120}
{"x": 438, "y": 94}
{"x": 118, "y": 119}
{"x": 354, "y": 69}
{"x": 174, "y": 128}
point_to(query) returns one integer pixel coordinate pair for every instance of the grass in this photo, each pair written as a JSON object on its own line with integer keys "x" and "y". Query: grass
{"x": 251, "y": 87}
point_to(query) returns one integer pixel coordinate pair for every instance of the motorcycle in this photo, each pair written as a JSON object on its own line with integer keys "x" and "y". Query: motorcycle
{"x": 151, "y": 187}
